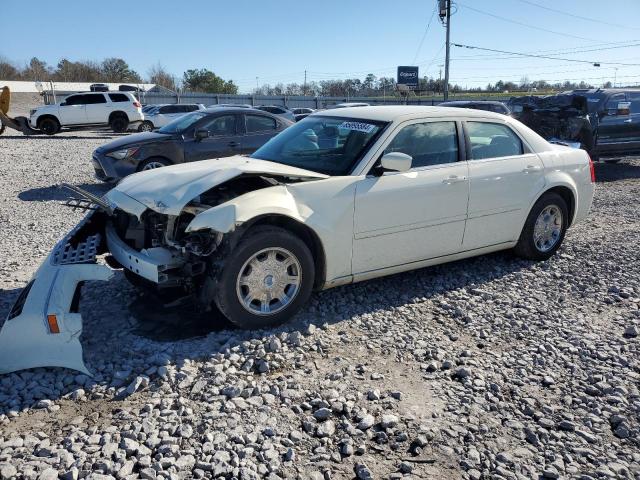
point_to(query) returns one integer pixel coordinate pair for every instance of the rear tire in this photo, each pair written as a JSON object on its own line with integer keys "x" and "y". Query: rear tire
{"x": 272, "y": 266}
{"x": 119, "y": 123}
{"x": 544, "y": 229}
{"x": 49, "y": 126}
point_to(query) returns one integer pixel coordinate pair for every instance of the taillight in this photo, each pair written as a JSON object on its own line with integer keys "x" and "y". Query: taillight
{"x": 592, "y": 170}
{"x": 137, "y": 104}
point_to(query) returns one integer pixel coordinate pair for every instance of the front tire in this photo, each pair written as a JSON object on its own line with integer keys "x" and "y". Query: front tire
{"x": 145, "y": 126}
{"x": 544, "y": 229}
{"x": 266, "y": 279}
{"x": 153, "y": 163}
{"x": 49, "y": 126}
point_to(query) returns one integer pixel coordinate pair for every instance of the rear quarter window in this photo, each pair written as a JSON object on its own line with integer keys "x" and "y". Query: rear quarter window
{"x": 118, "y": 97}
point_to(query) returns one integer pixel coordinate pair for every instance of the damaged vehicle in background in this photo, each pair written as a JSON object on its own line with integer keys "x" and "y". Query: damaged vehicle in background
{"x": 605, "y": 122}
{"x": 339, "y": 197}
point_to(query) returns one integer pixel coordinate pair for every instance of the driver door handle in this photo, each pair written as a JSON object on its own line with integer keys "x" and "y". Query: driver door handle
{"x": 629, "y": 120}
{"x": 454, "y": 179}
{"x": 233, "y": 144}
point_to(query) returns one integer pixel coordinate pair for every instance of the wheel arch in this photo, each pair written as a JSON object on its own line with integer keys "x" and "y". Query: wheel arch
{"x": 567, "y": 190}
{"x": 118, "y": 113}
{"x": 154, "y": 157}
{"x": 302, "y": 231}
{"x": 50, "y": 116}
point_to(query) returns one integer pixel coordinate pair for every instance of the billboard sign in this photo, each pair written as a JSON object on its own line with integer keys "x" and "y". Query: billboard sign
{"x": 408, "y": 76}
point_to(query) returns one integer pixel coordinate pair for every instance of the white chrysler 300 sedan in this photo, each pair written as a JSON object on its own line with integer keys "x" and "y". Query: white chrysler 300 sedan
{"x": 341, "y": 196}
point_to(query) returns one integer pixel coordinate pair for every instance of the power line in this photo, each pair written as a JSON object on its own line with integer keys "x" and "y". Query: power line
{"x": 595, "y": 63}
{"x": 569, "y": 51}
{"x": 424, "y": 35}
{"x": 588, "y": 19}
{"x": 482, "y": 12}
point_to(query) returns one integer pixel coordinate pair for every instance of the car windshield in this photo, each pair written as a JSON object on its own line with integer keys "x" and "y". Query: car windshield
{"x": 182, "y": 123}
{"x": 329, "y": 145}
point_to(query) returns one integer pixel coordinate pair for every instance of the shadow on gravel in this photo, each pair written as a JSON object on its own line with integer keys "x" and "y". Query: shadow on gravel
{"x": 57, "y": 137}
{"x": 163, "y": 324}
{"x": 612, "y": 172}
{"x": 58, "y": 193}
{"x": 7, "y": 299}
{"x": 158, "y": 323}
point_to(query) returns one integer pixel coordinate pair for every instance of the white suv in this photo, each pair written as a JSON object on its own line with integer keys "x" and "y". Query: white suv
{"x": 160, "y": 115}
{"x": 116, "y": 109}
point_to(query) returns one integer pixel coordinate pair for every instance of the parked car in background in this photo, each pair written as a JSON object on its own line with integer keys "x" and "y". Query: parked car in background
{"x": 283, "y": 112}
{"x": 233, "y": 105}
{"x": 148, "y": 108}
{"x": 300, "y": 113}
{"x": 349, "y": 104}
{"x": 605, "y": 122}
{"x": 199, "y": 135}
{"x": 164, "y": 114}
{"x": 488, "y": 105}
{"x": 118, "y": 110}
{"x": 252, "y": 237}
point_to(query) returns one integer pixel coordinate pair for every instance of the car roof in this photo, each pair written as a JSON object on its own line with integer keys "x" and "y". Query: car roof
{"x": 389, "y": 113}
{"x": 235, "y": 109}
{"x": 473, "y": 102}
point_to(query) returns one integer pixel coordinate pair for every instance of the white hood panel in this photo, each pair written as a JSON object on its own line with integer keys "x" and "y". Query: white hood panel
{"x": 167, "y": 190}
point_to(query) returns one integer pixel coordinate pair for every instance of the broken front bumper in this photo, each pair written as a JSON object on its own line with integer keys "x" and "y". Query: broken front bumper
{"x": 43, "y": 328}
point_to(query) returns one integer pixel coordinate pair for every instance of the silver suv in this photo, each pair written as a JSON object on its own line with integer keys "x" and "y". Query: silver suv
{"x": 118, "y": 110}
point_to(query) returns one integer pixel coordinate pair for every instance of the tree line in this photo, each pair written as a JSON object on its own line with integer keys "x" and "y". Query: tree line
{"x": 115, "y": 70}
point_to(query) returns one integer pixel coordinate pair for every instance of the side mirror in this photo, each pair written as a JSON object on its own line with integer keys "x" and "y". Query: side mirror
{"x": 396, "y": 162}
{"x": 201, "y": 134}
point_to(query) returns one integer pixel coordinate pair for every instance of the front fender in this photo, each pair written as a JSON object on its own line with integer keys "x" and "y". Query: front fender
{"x": 225, "y": 217}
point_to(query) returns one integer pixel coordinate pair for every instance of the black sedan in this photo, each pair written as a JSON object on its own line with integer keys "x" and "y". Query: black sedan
{"x": 204, "y": 134}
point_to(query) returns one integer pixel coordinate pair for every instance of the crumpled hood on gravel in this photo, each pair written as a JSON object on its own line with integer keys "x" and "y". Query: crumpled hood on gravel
{"x": 167, "y": 190}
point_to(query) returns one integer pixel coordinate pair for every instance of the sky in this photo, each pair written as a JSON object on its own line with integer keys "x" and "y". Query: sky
{"x": 277, "y": 40}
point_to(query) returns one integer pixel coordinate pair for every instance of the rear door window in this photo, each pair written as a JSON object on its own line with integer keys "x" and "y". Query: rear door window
{"x": 260, "y": 123}
{"x": 492, "y": 140}
{"x": 94, "y": 99}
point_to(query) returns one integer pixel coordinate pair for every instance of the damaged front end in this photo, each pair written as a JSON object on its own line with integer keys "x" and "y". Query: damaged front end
{"x": 43, "y": 327}
{"x": 562, "y": 118}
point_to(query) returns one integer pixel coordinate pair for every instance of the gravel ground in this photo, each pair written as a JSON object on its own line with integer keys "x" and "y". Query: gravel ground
{"x": 492, "y": 367}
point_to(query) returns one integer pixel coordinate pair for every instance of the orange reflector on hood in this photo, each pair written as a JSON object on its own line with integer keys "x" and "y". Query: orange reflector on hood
{"x": 53, "y": 324}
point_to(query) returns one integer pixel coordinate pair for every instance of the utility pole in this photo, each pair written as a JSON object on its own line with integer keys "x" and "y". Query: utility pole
{"x": 304, "y": 89}
{"x": 256, "y": 84}
{"x": 447, "y": 20}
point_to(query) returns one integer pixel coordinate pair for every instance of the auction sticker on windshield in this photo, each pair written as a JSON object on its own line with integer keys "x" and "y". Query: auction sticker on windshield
{"x": 357, "y": 126}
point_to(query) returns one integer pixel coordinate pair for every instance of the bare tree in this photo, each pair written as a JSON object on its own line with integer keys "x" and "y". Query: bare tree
{"x": 160, "y": 76}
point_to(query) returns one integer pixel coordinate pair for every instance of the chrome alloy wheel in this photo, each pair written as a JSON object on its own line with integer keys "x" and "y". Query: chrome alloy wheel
{"x": 548, "y": 228}
{"x": 152, "y": 165}
{"x": 269, "y": 281}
